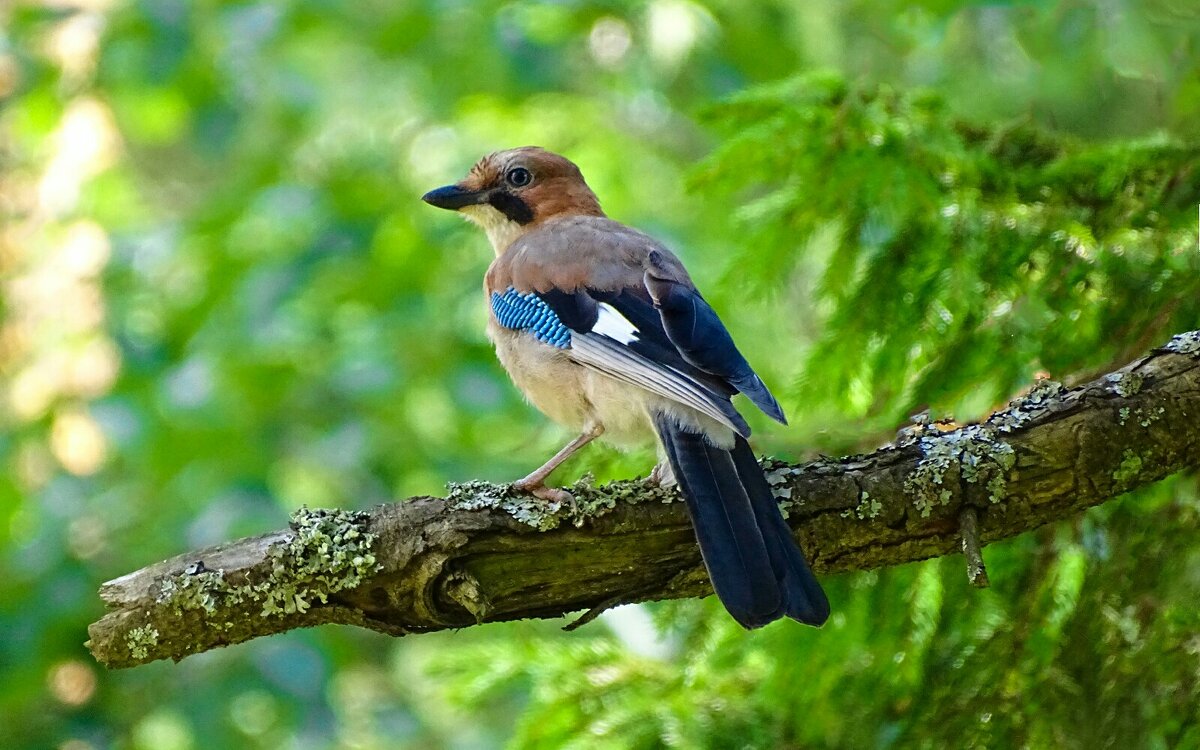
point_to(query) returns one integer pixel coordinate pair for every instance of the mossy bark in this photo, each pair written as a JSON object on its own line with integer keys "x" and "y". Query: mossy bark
{"x": 486, "y": 554}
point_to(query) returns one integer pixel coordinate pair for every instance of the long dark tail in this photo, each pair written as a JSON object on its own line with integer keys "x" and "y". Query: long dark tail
{"x": 755, "y": 566}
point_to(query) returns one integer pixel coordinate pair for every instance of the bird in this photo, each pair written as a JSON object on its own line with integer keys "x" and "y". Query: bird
{"x": 603, "y": 330}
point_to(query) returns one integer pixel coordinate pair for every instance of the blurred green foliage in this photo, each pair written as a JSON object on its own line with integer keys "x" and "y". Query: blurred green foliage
{"x": 222, "y": 299}
{"x": 991, "y": 253}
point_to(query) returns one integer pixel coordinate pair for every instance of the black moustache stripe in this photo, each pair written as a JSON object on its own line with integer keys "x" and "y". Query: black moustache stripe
{"x": 511, "y": 206}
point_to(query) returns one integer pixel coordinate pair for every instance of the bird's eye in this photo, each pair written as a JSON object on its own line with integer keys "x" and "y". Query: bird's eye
{"x": 519, "y": 177}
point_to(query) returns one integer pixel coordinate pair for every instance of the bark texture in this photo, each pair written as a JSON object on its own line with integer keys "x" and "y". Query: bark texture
{"x": 486, "y": 554}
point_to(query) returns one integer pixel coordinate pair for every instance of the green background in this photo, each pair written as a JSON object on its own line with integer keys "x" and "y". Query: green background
{"x": 222, "y": 299}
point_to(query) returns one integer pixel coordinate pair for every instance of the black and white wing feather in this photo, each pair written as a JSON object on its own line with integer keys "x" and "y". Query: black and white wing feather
{"x": 625, "y": 336}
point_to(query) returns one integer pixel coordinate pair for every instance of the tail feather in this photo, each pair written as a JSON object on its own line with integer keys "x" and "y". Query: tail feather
{"x": 755, "y": 566}
{"x": 730, "y": 542}
{"x": 804, "y": 599}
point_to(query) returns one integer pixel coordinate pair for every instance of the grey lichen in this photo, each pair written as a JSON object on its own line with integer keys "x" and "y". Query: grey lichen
{"x": 1024, "y": 409}
{"x": 783, "y": 477}
{"x": 588, "y": 500}
{"x": 779, "y": 477}
{"x": 529, "y": 510}
{"x": 329, "y": 551}
{"x": 592, "y": 501}
{"x": 140, "y": 640}
{"x": 1145, "y": 417}
{"x": 1148, "y": 416}
{"x": 194, "y": 590}
{"x": 974, "y": 453}
{"x": 917, "y": 427}
{"x": 1185, "y": 343}
{"x": 868, "y": 507}
{"x": 1043, "y": 390}
{"x": 1125, "y": 384}
{"x": 1011, "y": 419}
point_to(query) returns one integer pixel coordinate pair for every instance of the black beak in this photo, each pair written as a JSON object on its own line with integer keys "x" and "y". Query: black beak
{"x": 454, "y": 197}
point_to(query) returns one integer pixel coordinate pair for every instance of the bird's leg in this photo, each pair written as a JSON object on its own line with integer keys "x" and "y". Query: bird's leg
{"x": 662, "y": 475}
{"x": 535, "y": 483}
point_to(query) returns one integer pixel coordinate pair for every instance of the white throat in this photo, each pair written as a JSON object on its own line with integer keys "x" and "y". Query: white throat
{"x": 501, "y": 231}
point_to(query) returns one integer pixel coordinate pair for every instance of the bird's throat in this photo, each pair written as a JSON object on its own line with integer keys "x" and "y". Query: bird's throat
{"x": 501, "y": 231}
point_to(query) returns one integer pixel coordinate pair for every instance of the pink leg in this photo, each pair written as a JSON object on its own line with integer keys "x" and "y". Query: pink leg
{"x": 535, "y": 483}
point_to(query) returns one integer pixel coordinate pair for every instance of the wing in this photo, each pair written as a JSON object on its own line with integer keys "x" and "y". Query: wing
{"x": 596, "y": 334}
{"x": 631, "y": 311}
{"x": 700, "y": 337}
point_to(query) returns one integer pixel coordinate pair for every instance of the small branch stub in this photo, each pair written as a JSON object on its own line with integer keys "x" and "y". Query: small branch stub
{"x": 968, "y": 525}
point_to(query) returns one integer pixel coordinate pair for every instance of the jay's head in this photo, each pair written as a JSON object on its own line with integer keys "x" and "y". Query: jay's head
{"x": 509, "y": 192}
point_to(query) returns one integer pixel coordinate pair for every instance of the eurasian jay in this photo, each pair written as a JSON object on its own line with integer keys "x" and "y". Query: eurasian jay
{"x": 603, "y": 330}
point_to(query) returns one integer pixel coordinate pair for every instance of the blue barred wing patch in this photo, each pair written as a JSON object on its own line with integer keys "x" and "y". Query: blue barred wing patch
{"x": 528, "y": 312}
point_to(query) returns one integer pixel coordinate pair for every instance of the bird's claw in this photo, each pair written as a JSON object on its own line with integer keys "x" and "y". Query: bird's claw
{"x": 549, "y": 494}
{"x": 662, "y": 476}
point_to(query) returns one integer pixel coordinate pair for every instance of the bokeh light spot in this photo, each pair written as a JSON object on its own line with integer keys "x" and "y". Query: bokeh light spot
{"x": 72, "y": 682}
{"x": 78, "y": 443}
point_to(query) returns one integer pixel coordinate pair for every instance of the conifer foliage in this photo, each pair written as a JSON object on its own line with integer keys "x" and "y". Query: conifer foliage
{"x": 955, "y": 260}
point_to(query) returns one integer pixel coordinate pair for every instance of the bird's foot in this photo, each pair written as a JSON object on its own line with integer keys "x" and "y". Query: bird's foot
{"x": 662, "y": 476}
{"x": 538, "y": 489}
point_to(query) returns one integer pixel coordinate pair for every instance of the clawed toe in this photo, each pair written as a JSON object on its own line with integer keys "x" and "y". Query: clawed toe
{"x": 549, "y": 494}
{"x": 662, "y": 476}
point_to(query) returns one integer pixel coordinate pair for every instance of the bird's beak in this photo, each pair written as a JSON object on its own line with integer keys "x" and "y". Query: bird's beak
{"x": 454, "y": 197}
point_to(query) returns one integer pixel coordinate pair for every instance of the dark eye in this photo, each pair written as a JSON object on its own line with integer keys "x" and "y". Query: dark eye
{"x": 519, "y": 177}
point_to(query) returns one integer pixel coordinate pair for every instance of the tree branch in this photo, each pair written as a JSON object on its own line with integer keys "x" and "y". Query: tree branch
{"x": 486, "y": 554}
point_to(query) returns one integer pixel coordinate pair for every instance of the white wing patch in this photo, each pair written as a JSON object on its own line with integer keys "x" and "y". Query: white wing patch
{"x": 605, "y": 355}
{"x": 614, "y": 325}
{"x": 606, "y": 349}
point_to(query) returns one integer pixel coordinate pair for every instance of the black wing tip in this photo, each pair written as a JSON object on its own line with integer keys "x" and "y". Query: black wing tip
{"x": 754, "y": 389}
{"x": 774, "y": 411}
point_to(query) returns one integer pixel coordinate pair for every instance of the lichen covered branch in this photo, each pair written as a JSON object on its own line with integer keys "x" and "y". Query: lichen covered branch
{"x": 485, "y": 553}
